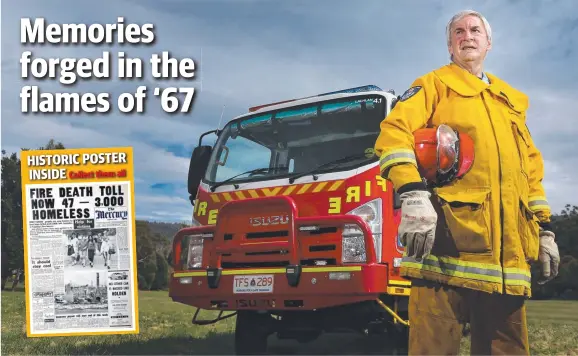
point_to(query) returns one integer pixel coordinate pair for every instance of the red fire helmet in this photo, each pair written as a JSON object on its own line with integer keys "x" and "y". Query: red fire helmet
{"x": 443, "y": 154}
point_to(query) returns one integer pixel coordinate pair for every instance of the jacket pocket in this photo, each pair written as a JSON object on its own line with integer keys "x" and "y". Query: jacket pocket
{"x": 521, "y": 139}
{"x": 529, "y": 231}
{"x": 467, "y": 215}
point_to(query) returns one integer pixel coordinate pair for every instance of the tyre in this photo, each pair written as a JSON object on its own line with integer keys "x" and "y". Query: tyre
{"x": 400, "y": 340}
{"x": 251, "y": 332}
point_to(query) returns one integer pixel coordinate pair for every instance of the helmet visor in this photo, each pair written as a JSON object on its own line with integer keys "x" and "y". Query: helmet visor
{"x": 447, "y": 154}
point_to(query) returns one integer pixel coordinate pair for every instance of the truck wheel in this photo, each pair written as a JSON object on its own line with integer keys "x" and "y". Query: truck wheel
{"x": 401, "y": 342}
{"x": 251, "y": 332}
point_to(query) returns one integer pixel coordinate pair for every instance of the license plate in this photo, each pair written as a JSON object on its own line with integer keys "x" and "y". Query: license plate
{"x": 261, "y": 283}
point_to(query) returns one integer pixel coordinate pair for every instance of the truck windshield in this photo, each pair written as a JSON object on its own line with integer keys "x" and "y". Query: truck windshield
{"x": 286, "y": 142}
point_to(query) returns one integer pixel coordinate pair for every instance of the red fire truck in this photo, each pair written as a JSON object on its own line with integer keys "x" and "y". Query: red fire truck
{"x": 294, "y": 229}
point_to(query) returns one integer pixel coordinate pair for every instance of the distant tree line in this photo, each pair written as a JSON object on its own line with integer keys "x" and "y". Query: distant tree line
{"x": 153, "y": 241}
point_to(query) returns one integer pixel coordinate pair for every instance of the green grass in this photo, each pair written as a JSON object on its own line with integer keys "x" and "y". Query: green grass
{"x": 552, "y": 328}
{"x": 166, "y": 329}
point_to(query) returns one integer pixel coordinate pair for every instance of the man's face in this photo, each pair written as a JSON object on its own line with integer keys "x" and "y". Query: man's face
{"x": 469, "y": 40}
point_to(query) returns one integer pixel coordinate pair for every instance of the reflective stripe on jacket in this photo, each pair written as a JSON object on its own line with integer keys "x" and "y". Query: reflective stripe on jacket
{"x": 488, "y": 220}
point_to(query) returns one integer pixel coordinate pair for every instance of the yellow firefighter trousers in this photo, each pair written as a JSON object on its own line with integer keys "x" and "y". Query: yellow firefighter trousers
{"x": 438, "y": 313}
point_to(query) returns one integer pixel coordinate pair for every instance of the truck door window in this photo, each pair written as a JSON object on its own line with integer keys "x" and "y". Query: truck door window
{"x": 243, "y": 155}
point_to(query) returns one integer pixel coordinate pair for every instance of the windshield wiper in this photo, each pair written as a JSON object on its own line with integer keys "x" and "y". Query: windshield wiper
{"x": 252, "y": 171}
{"x": 328, "y": 164}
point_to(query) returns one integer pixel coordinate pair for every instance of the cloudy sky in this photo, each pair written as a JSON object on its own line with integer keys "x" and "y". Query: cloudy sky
{"x": 251, "y": 52}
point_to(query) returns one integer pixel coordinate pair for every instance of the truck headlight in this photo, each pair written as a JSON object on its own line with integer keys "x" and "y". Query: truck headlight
{"x": 195, "y": 257}
{"x": 353, "y": 243}
{"x": 195, "y": 250}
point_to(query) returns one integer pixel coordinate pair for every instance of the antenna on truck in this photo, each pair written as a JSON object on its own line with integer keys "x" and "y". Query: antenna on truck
{"x": 221, "y": 119}
{"x": 217, "y": 131}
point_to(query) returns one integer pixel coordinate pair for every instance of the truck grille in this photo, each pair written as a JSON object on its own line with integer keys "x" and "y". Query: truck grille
{"x": 265, "y": 234}
{"x": 321, "y": 246}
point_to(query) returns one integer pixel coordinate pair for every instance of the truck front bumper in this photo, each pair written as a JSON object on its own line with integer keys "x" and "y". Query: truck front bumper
{"x": 272, "y": 289}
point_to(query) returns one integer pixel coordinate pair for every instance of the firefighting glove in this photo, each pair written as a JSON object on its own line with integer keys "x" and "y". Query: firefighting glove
{"x": 549, "y": 256}
{"x": 418, "y": 223}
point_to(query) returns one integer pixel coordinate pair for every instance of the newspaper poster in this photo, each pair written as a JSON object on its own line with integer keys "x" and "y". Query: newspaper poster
{"x": 79, "y": 242}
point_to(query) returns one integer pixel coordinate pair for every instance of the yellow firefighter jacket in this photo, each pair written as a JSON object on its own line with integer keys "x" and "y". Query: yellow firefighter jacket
{"x": 488, "y": 221}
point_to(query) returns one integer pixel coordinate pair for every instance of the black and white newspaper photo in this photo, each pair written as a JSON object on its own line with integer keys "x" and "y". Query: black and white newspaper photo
{"x": 80, "y": 247}
{"x": 91, "y": 248}
{"x": 84, "y": 293}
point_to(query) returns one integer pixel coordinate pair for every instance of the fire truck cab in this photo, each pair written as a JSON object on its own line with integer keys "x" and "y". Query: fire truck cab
{"x": 294, "y": 230}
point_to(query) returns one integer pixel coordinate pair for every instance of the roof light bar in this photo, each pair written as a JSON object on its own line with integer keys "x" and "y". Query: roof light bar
{"x": 255, "y": 108}
{"x": 360, "y": 89}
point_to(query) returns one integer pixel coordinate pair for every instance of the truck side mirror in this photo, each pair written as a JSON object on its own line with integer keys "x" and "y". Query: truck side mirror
{"x": 197, "y": 167}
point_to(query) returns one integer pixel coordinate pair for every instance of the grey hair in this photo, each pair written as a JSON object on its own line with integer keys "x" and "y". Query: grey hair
{"x": 460, "y": 15}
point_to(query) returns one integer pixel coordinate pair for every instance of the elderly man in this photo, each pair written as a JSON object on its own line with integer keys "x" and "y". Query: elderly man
{"x": 469, "y": 242}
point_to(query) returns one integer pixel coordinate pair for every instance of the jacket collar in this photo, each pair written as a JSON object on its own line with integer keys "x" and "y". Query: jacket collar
{"x": 461, "y": 81}
{"x": 466, "y": 84}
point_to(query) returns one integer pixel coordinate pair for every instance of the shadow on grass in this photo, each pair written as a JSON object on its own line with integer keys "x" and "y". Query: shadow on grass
{"x": 215, "y": 344}
{"x": 336, "y": 344}
{"x": 223, "y": 344}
